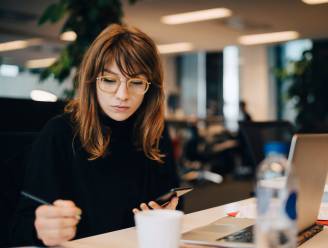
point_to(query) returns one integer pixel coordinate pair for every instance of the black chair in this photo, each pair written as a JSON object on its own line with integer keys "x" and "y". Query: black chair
{"x": 21, "y": 120}
{"x": 24, "y": 115}
{"x": 14, "y": 147}
{"x": 254, "y": 135}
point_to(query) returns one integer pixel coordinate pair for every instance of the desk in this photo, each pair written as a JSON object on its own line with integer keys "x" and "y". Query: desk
{"x": 127, "y": 238}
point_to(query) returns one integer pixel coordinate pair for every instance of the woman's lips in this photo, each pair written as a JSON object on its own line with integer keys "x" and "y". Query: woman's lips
{"x": 120, "y": 108}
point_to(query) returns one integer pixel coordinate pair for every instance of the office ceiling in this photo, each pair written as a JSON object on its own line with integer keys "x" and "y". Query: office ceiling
{"x": 18, "y": 21}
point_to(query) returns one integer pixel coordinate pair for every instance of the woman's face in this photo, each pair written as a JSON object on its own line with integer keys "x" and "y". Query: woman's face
{"x": 122, "y": 103}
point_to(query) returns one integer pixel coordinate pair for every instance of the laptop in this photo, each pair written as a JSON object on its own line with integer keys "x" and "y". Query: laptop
{"x": 308, "y": 157}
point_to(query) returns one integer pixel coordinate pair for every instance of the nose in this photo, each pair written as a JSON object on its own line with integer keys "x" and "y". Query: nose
{"x": 122, "y": 92}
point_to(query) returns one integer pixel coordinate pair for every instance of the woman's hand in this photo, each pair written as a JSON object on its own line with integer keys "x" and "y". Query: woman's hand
{"x": 57, "y": 223}
{"x": 153, "y": 205}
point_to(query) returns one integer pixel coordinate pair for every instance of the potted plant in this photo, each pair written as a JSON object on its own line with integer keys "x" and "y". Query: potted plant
{"x": 87, "y": 19}
{"x": 308, "y": 78}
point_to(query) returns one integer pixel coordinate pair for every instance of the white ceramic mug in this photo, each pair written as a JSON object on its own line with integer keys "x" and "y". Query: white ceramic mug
{"x": 159, "y": 228}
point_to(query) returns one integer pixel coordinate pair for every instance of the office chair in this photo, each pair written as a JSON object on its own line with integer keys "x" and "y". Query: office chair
{"x": 13, "y": 149}
{"x": 210, "y": 156}
{"x": 24, "y": 115}
{"x": 21, "y": 122}
{"x": 254, "y": 135}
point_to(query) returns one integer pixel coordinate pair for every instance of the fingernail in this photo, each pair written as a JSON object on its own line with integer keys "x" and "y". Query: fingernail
{"x": 151, "y": 203}
{"x": 78, "y": 217}
{"x": 134, "y": 210}
{"x": 143, "y": 205}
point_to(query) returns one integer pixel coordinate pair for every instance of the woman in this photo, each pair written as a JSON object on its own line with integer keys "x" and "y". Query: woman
{"x": 109, "y": 154}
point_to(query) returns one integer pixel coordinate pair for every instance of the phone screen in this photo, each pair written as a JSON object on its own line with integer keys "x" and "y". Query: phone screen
{"x": 164, "y": 199}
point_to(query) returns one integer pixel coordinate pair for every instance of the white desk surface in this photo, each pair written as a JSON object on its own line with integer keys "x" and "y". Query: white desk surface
{"x": 127, "y": 238}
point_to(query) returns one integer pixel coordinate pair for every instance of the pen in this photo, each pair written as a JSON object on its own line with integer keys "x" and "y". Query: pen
{"x": 41, "y": 201}
{"x": 34, "y": 198}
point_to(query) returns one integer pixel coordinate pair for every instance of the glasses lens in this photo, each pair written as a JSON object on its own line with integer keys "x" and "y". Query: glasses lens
{"x": 137, "y": 85}
{"x": 109, "y": 84}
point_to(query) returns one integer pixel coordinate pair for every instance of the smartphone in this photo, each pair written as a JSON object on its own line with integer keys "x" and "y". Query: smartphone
{"x": 165, "y": 199}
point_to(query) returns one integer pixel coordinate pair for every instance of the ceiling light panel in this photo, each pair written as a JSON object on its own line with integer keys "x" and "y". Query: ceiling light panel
{"x": 268, "y": 37}
{"x": 196, "y": 16}
{"x": 175, "y": 47}
{"x": 315, "y": 1}
{"x": 19, "y": 44}
{"x": 40, "y": 63}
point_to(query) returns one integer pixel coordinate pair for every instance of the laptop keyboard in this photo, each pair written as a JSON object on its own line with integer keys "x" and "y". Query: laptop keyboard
{"x": 245, "y": 235}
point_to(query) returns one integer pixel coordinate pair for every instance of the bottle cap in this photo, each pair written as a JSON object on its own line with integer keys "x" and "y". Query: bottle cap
{"x": 276, "y": 147}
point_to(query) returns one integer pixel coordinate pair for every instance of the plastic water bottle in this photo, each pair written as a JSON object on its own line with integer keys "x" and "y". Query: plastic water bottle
{"x": 276, "y": 200}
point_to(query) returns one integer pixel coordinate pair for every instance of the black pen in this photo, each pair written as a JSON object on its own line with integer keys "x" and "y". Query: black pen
{"x": 41, "y": 201}
{"x": 34, "y": 198}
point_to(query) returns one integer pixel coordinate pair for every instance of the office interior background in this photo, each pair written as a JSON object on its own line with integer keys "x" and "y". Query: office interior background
{"x": 210, "y": 66}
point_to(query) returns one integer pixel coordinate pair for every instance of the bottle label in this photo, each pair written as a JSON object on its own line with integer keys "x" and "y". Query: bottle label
{"x": 290, "y": 207}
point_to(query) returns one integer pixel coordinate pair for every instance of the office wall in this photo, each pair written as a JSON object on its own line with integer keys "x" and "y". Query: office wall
{"x": 169, "y": 70}
{"x": 22, "y": 85}
{"x": 170, "y": 78}
{"x": 256, "y": 86}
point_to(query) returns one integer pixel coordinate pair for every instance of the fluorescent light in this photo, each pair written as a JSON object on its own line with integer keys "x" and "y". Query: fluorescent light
{"x": 19, "y": 44}
{"x": 43, "y": 96}
{"x": 195, "y": 16}
{"x": 40, "y": 63}
{"x": 9, "y": 70}
{"x": 268, "y": 37}
{"x": 68, "y": 36}
{"x": 175, "y": 47}
{"x": 315, "y": 1}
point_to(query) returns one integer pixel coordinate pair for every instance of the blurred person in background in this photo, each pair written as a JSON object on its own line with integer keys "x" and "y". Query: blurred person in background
{"x": 243, "y": 113}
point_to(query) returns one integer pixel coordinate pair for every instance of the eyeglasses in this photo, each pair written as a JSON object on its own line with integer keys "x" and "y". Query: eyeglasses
{"x": 110, "y": 84}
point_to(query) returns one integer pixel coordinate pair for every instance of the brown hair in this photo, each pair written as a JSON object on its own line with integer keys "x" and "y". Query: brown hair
{"x": 134, "y": 52}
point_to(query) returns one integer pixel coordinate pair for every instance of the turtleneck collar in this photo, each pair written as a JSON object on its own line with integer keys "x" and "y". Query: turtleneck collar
{"x": 111, "y": 123}
{"x": 120, "y": 131}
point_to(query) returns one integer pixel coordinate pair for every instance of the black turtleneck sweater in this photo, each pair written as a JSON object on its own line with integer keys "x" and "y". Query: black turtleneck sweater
{"x": 106, "y": 189}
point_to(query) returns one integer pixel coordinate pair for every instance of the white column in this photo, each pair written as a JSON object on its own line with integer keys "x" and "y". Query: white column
{"x": 231, "y": 87}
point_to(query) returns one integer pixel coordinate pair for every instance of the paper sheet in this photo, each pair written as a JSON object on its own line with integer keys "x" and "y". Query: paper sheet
{"x": 323, "y": 213}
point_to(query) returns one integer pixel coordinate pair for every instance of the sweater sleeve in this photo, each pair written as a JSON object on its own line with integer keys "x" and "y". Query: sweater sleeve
{"x": 44, "y": 178}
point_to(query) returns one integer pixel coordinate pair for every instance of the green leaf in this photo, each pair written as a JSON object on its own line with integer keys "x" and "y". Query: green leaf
{"x": 87, "y": 18}
{"x": 53, "y": 13}
{"x": 103, "y": 3}
{"x": 46, "y": 14}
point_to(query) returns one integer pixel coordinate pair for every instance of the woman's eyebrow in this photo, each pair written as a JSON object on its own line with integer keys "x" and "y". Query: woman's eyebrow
{"x": 109, "y": 71}
{"x": 138, "y": 74}
{"x": 133, "y": 75}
